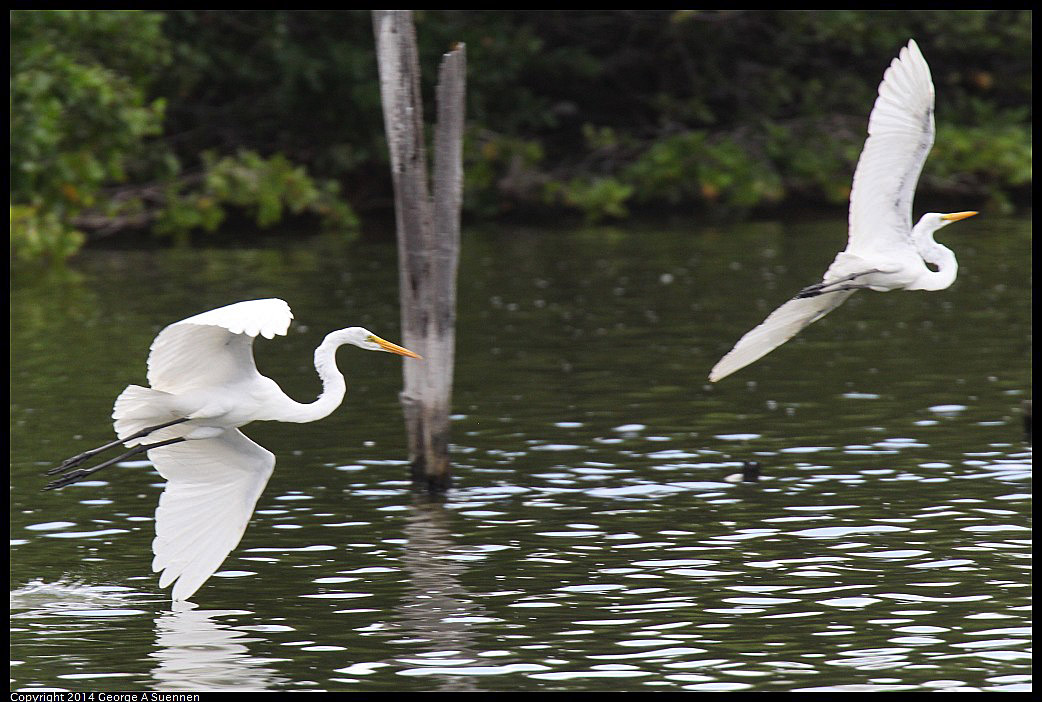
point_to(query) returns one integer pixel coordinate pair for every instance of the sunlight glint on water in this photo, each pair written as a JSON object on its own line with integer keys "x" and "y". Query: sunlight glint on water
{"x": 598, "y": 537}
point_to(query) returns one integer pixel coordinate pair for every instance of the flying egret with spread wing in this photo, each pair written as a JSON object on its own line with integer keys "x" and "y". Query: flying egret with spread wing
{"x": 884, "y": 251}
{"x": 204, "y": 386}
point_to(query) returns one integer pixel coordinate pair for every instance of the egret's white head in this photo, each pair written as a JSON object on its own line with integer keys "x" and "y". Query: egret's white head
{"x": 932, "y": 221}
{"x": 940, "y": 263}
{"x": 365, "y": 339}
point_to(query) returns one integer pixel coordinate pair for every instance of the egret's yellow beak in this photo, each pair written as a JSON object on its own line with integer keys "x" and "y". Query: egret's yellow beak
{"x": 956, "y": 216}
{"x": 393, "y": 348}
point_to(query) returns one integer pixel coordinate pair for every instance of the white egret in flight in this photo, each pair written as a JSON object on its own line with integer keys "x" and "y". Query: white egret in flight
{"x": 884, "y": 251}
{"x": 204, "y": 386}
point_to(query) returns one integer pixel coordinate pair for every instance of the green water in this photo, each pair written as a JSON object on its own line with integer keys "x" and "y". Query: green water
{"x": 591, "y": 541}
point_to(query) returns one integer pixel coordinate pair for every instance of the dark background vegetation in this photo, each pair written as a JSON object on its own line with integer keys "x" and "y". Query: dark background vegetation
{"x": 172, "y": 122}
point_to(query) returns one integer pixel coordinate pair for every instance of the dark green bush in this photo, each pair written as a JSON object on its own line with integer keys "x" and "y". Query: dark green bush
{"x": 167, "y": 120}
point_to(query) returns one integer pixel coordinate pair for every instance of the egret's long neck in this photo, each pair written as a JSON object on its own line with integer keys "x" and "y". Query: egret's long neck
{"x": 940, "y": 256}
{"x": 333, "y": 385}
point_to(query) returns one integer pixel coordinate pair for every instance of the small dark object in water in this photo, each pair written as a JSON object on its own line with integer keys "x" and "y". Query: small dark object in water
{"x": 750, "y": 471}
{"x": 1025, "y": 408}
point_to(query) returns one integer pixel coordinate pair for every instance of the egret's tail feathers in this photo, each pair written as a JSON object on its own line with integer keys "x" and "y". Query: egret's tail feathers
{"x": 780, "y": 326}
{"x": 138, "y": 408}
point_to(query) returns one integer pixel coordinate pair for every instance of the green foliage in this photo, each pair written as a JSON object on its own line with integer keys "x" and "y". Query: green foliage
{"x": 998, "y": 156}
{"x": 599, "y": 112}
{"x": 817, "y": 155}
{"x": 498, "y": 171}
{"x": 690, "y": 166}
{"x": 265, "y": 187}
{"x": 79, "y": 115}
{"x": 301, "y": 83}
{"x": 82, "y": 147}
{"x": 37, "y": 233}
{"x": 597, "y": 198}
{"x": 732, "y": 110}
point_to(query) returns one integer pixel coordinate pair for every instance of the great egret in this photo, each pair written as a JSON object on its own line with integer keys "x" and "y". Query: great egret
{"x": 884, "y": 252}
{"x": 205, "y": 386}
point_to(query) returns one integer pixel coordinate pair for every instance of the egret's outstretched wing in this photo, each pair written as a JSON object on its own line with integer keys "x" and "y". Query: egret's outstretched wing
{"x": 215, "y": 347}
{"x": 900, "y": 134}
{"x": 780, "y": 326}
{"x": 212, "y": 488}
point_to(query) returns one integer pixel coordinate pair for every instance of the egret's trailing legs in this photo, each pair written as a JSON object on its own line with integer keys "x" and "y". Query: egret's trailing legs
{"x": 86, "y": 455}
{"x": 77, "y": 475}
{"x": 823, "y": 287}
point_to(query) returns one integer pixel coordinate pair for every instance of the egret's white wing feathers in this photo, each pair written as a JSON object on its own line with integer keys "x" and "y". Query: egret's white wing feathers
{"x": 212, "y": 488}
{"x": 780, "y": 326}
{"x": 222, "y": 338}
{"x": 267, "y": 318}
{"x": 900, "y": 135}
{"x": 881, "y": 253}
{"x": 205, "y": 386}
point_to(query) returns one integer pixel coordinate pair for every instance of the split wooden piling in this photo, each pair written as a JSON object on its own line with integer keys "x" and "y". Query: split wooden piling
{"x": 428, "y": 233}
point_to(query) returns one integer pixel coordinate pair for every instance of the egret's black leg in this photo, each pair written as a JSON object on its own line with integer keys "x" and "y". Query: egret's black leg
{"x": 832, "y": 290}
{"x": 82, "y": 473}
{"x": 810, "y": 291}
{"x": 823, "y": 287}
{"x": 86, "y": 455}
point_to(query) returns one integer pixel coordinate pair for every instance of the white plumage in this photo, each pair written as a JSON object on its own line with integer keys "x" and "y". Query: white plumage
{"x": 204, "y": 386}
{"x": 212, "y": 488}
{"x": 884, "y": 252}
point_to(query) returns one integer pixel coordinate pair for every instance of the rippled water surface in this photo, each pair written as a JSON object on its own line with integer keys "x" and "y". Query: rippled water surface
{"x": 597, "y": 537}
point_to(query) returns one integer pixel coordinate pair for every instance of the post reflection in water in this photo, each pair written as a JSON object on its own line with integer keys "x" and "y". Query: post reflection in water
{"x": 436, "y": 607}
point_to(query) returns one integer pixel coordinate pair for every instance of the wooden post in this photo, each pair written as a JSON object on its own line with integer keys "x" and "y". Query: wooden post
{"x": 428, "y": 233}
